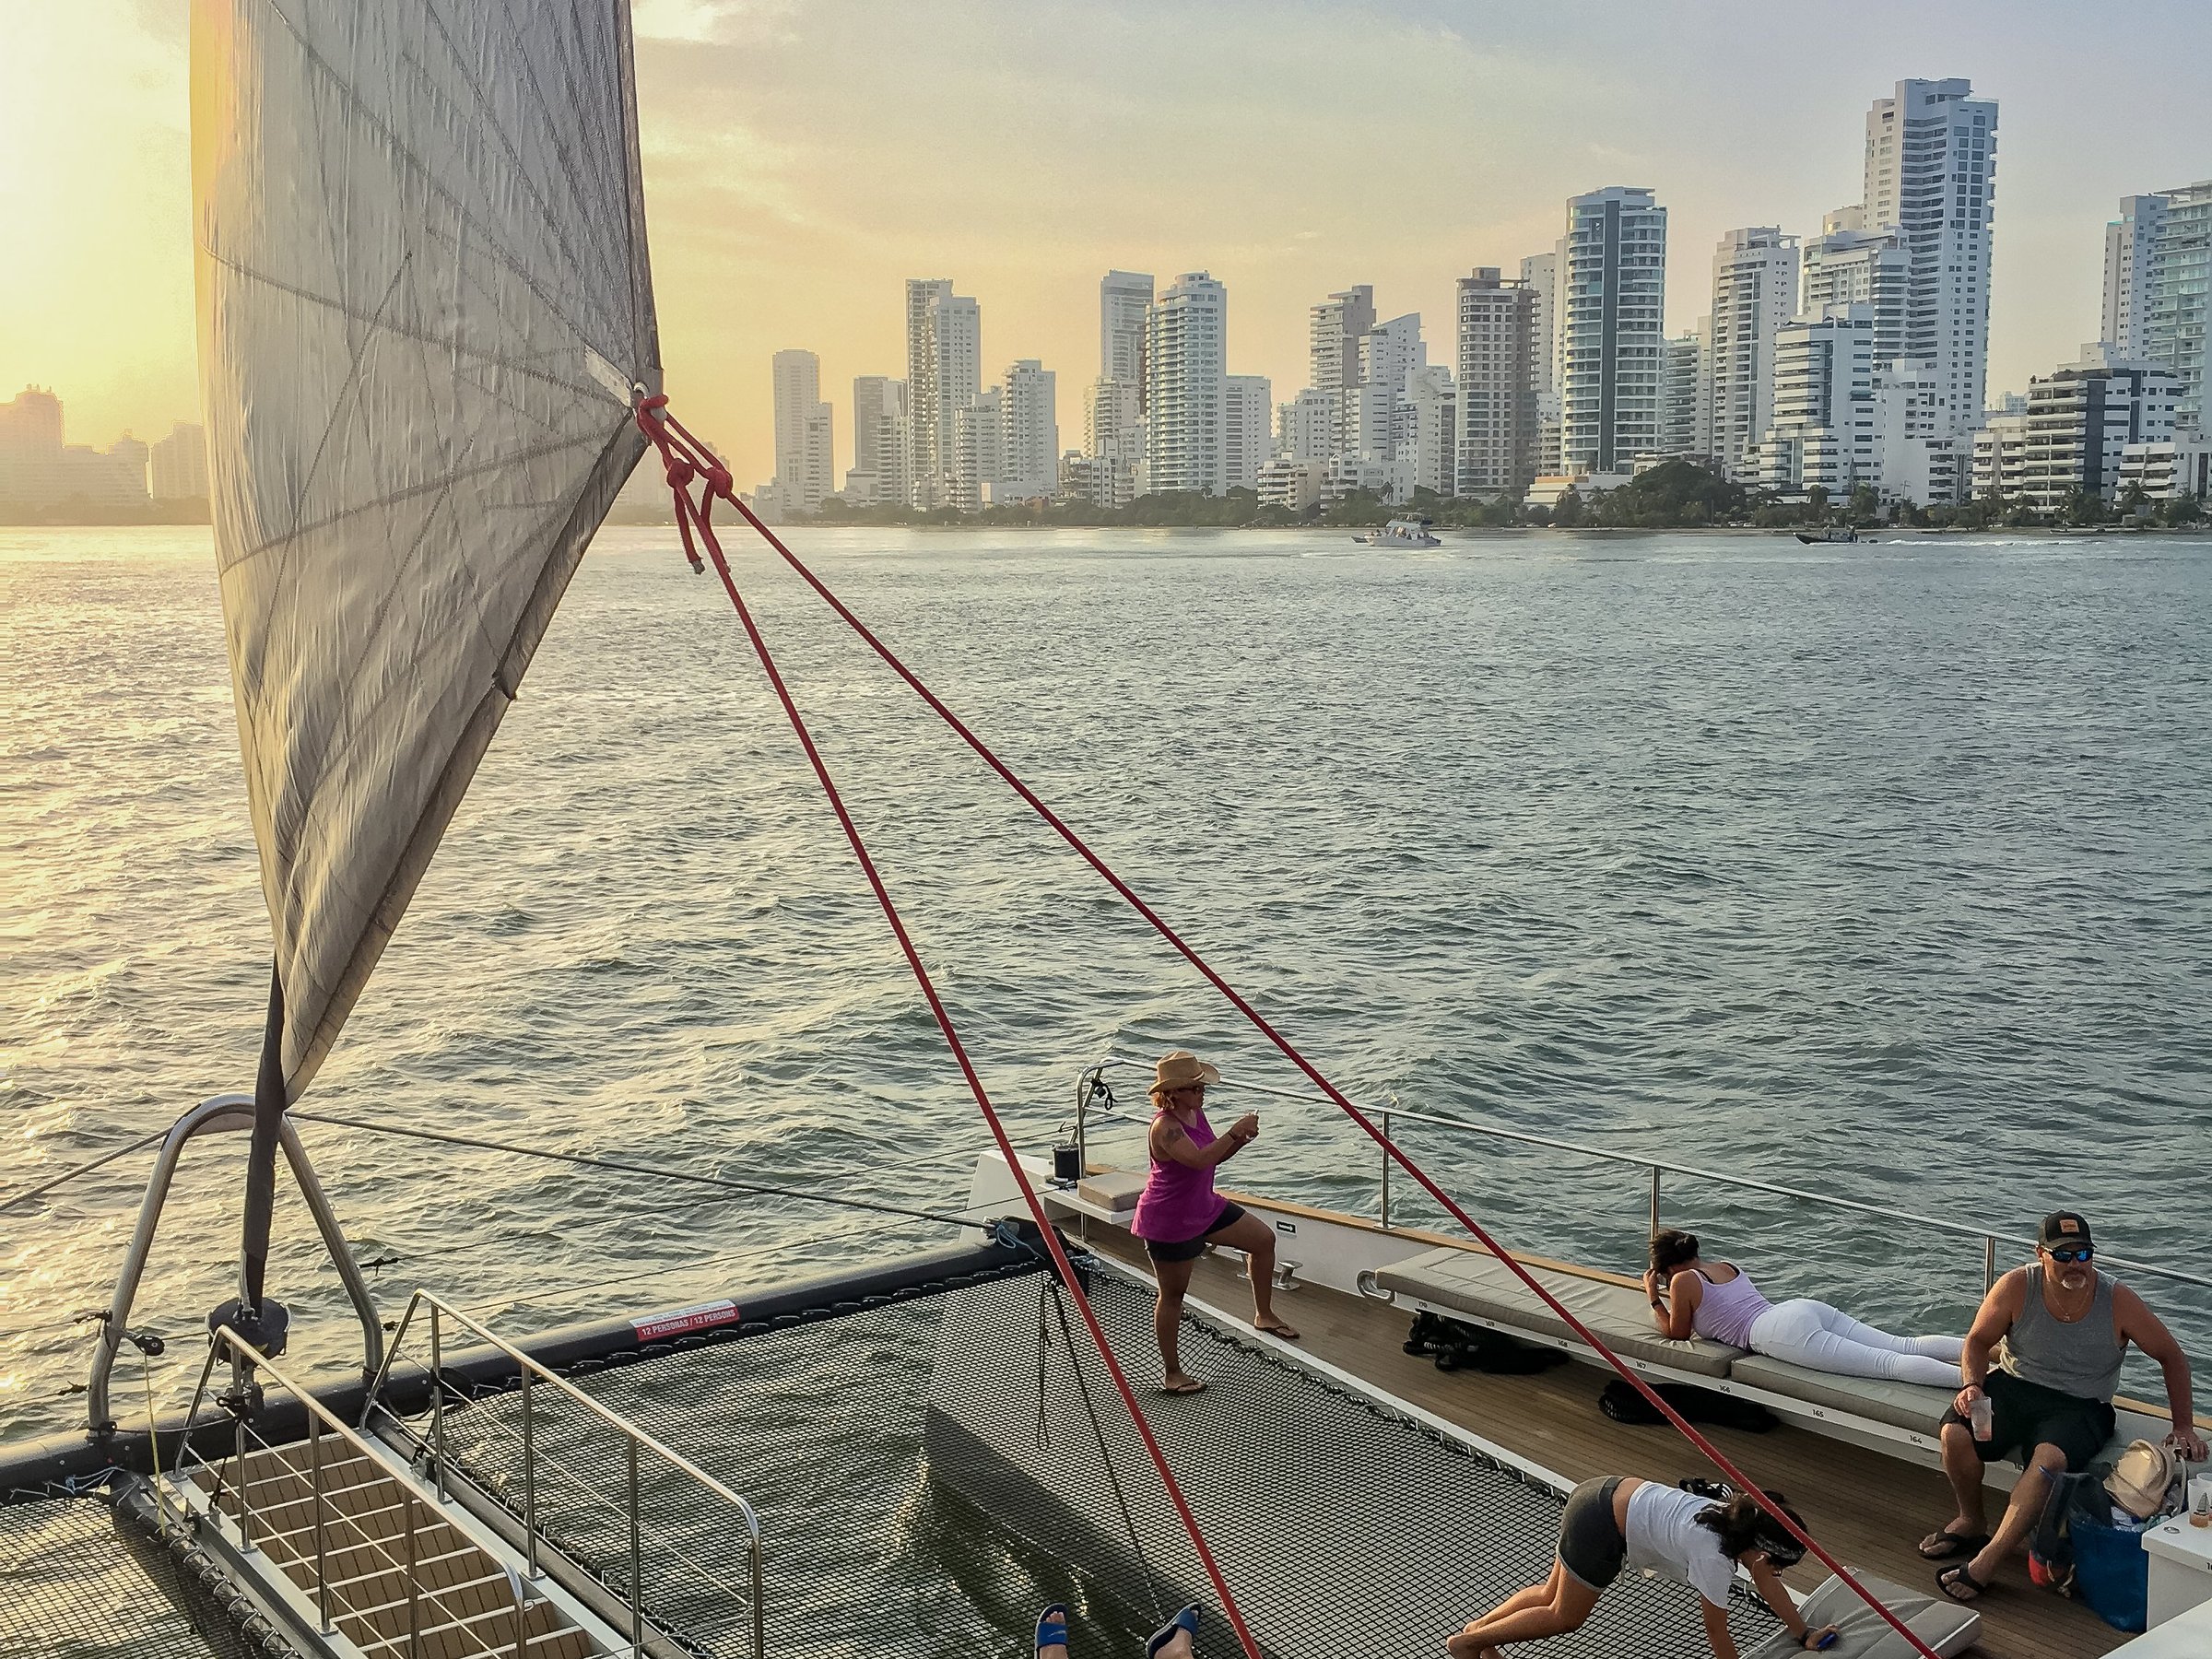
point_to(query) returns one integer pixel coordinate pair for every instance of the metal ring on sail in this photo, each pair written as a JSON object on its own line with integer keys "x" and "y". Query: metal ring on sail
{"x": 425, "y": 314}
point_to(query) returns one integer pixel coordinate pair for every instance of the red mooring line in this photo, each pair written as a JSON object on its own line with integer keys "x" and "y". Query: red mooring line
{"x": 693, "y": 517}
{"x": 685, "y": 457}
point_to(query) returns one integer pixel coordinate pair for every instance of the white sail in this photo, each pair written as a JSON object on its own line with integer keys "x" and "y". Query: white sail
{"x": 424, "y": 305}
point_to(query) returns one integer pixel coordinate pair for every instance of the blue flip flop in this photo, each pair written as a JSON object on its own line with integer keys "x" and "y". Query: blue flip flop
{"x": 1051, "y": 1628}
{"x": 1186, "y": 1620}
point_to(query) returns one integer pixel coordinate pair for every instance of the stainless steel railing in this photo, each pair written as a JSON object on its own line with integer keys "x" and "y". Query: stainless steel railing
{"x": 1654, "y": 1169}
{"x": 325, "y": 1515}
{"x": 637, "y": 1447}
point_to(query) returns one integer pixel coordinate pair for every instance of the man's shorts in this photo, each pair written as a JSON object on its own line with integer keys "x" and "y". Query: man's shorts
{"x": 2026, "y": 1415}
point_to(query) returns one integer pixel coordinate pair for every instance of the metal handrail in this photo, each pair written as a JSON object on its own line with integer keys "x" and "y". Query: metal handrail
{"x": 1656, "y": 1166}
{"x": 227, "y": 1342}
{"x": 534, "y": 1374}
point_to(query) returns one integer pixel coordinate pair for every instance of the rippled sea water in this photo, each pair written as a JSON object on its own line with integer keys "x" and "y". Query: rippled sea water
{"x": 1881, "y": 871}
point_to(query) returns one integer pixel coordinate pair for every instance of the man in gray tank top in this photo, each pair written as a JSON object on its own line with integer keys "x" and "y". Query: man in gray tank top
{"x": 2056, "y": 1331}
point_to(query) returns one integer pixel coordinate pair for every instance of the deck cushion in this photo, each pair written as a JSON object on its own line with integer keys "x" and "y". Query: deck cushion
{"x": 1913, "y": 1405}
{"x": 1943, "y": 1624}
{"x": 1475, "y": 1283}
{"x": 1115, "y": 1190}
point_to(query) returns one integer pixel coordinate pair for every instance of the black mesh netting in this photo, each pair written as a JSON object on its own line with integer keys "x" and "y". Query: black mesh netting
{"x": 927, "y": 1474}
{"x": 78, "y": 1580}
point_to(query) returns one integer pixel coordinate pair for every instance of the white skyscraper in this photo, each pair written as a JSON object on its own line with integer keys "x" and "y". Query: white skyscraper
{"x": 2158, "y": 291}
{"x": 1540, "y": 273}
{"x": 1754, "y": 293}
{"x": 879, "y": 441}
{"x": 1185, "y": 365}
{"x": 1029, "y": 415}
{"x": 1125, "y": 301}
{"x": 1247, "y": 409}
{"x": 1496, "y": 403}
{"x": 979, "y": 448}
{"x": 1334, "y": 329}
{"x": 1113, "y": 438}
{"x": 1849, "y": 264}
{"x": 2083, "y": 416}
{"x": 1306, "y": 428}
{"x": 179, "y": 463}
{"x": 944, "y": 375}
{"x": 1822, "y": 435}
{"x": 803, "y": 432}
{"x": 1682, "y": 379}
{"x": 1931, "y": 174}
{"x": 1425, "y": 452}
{"x": 1612, "y": 302}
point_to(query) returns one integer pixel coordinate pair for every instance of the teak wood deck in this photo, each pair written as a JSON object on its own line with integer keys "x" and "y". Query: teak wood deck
{"x": 1868, "y": 1509}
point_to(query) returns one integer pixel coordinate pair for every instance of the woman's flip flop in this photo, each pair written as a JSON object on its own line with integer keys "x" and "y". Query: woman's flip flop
{"x": 1279, "y": 1330}
{"x": 1183, "y": 1623}
{"x": 1051, "y": 1628}
{"x": 1196, "y": 1385}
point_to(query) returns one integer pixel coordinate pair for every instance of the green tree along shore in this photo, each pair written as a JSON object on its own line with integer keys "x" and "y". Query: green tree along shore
{"x": 1675, "y": 495}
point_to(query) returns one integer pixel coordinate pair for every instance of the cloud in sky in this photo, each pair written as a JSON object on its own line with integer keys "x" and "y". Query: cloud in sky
{"x": 802, "y": 161}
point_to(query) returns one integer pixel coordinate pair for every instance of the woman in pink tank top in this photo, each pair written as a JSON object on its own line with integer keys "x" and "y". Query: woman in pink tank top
{"x": 1180, "y": 1214}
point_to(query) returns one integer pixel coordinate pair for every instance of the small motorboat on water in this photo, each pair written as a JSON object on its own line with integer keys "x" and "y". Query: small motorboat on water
{"x": 1814, "y": 538}
{"x": 1400, "y": 533}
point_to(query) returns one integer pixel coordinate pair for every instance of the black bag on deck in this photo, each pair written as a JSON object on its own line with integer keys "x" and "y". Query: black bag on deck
{"x": 1624, "y": 1405}
{"x": 1455, "y": 1346}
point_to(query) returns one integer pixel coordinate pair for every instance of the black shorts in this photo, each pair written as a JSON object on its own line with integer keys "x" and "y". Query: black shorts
{"x": 1591, "y": 1546}
{"x": 1190, "y": 1250}
{"x": 2025, "y": 1415}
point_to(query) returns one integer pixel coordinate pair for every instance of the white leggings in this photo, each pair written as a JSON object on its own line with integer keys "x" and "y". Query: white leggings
{"x": 1813, "y": 1333}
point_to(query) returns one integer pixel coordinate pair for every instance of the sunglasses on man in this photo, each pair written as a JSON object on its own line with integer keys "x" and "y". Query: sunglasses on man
{"x": 2070, "y": 1253}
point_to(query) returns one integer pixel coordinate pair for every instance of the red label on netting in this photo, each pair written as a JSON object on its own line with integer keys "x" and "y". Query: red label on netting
{"x": 698, "y": 1317}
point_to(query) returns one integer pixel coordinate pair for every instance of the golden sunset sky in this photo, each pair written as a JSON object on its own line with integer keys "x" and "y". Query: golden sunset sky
{"x": 802, "y": 161}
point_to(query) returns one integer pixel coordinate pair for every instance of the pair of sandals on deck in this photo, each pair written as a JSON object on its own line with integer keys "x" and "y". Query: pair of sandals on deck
{"x": 1956, "y": 1581}
{"x": 1172, "y": 1641}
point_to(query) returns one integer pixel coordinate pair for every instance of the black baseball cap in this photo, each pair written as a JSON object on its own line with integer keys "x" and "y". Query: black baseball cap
{"x": 2063, "y": 1227}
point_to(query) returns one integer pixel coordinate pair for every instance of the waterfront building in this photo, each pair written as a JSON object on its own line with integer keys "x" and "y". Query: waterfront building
{"x": 1915, "y": 461}
{"x": 1030, "y": 453}
{"x": 1498, "y": 383}
{"x": 2165, "y": 468}
{"x": 1306, "y": 428}
{"x": 879, "y": 440}
{"x": 1247, "y": 404}
{"x": 1822, "y": 433}
{"x": 1334, "y": 329}
{"x": 1998, "y": 462}
{"x": 1682, "y": 394}
{"x": 37, "y": 469}
{"x": 1424, "y": 443}
{"x": 2158, "y": 290}
{"x": 1186, "y": 366}
{"x": 1114, "y": 439}
{"x": 177, "y": 465}
{"x": 2083, "y": 416}
{"x": 1931, "y": 162}
{"x": 1540, "y": 274}
{"x": 1294, "y": 484}
{"x": 979, "y": 451}
{"x": 1754, "y": 293}
{"x": 1612, "y": 294}
{"x": 802, "y": 433}
{"x": 1850, "y": 264}
{"x": 1124, "y": 302}
{"x": 944, "y": 374}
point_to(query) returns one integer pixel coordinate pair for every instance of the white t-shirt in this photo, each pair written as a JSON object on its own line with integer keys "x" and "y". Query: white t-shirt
{"x": 1663, "y": 1535}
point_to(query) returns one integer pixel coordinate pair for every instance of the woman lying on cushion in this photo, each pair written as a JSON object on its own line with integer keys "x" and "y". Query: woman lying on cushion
{"x": 1691, "y": 1295}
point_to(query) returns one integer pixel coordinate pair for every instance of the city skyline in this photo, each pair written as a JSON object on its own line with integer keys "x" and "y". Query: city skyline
{"x": 768, "y": 163}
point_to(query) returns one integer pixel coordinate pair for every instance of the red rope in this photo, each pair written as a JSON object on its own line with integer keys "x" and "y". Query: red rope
{"x": 693, "y": 516}
{"x": 1719, "y": 1459}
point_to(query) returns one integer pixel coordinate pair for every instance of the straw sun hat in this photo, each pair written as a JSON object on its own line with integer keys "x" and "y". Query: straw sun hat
{"x": 1180, "y": 1069}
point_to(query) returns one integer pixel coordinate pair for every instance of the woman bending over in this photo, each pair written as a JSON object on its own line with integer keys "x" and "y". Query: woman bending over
{"x": 1618, "y": 1521}
{"x": 1718, "y": 1301}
